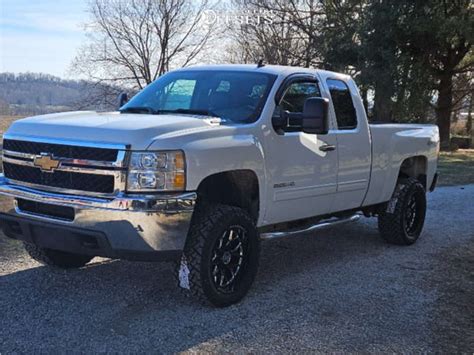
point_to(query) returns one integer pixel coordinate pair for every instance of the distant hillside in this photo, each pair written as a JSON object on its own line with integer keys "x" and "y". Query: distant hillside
{"x": 36, "y": 93}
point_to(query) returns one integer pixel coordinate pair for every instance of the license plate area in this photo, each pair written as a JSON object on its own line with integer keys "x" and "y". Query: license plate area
{"x": 45, "y": 210}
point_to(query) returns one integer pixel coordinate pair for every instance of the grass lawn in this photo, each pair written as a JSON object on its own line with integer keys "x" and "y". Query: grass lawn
{"x": 456, "y": 168}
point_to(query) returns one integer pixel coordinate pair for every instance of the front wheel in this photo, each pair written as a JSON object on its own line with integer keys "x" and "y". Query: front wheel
{"x": 220, "y": 259}
{"x": 401, "y": 220}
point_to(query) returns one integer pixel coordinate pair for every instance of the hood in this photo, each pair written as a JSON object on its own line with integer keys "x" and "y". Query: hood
{"x": 136, "y": 130}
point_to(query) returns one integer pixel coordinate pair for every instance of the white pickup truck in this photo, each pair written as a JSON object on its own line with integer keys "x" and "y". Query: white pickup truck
{"x": 206, "y": 162}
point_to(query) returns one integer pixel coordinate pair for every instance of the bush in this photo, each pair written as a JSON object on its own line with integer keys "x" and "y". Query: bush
{"x": 461, "y": 142}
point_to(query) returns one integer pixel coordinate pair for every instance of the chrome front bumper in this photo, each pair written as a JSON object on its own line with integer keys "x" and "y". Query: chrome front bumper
{"x": 126, "y": 226}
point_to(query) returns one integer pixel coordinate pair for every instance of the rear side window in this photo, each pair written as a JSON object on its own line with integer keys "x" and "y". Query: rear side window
{"x": 341, "y": 97}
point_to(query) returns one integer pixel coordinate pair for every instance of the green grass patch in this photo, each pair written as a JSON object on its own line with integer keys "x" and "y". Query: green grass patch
{"x": 456, "y": 168}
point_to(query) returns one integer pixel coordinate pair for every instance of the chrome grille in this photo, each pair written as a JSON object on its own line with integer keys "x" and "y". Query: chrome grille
{"x": 60, "y": 179}
{"x": 82, "y": 168}
{"x": 61, "y": 150}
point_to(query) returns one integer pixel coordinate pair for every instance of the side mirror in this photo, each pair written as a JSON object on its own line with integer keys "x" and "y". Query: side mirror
{"x": 315, "y": 116}
{"x": 280, "y": 121}
{"x": 122, "y": 99}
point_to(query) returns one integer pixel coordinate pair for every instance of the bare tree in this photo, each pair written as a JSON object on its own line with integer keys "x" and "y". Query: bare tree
{"x": 4, "y": 107}
{"x": 135, "y": 41}
{"x": 97, "y": 96}
{"x": 463, "y": 88}
{"x": 287, "y": 35}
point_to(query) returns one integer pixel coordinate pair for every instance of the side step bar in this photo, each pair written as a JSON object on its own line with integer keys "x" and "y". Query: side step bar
{"x": 321, "y": 225}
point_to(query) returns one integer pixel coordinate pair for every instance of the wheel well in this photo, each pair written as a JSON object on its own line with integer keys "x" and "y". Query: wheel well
{"x": 235, "y": 188}
{"x": 415, "y": 167}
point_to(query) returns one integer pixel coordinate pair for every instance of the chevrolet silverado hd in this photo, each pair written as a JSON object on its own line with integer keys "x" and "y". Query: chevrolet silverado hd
{"x": 204, "y": 164}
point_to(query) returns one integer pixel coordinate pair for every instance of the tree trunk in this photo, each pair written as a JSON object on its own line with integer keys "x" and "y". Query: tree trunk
{"x": 470, "y": 125}
{"x": 382, "y": 102}
{"x": 444, "y": 108}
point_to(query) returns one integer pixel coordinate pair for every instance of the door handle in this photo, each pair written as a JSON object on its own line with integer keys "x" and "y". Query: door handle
{"x": 327, "y": 148}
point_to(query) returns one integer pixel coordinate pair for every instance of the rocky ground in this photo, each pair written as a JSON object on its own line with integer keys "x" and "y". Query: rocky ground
{"x": 340, "y": 290}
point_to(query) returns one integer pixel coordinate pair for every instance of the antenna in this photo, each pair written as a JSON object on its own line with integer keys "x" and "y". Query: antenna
{"x": 260, "y": 63}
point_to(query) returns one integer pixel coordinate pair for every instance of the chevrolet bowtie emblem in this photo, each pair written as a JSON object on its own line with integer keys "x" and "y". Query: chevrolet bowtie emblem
{"x": 46, "y": 162}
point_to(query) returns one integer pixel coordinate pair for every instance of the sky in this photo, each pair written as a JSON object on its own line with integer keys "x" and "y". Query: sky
{"x": 40, "y": 35}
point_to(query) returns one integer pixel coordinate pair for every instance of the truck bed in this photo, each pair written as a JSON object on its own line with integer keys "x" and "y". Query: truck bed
{"x": 391, "y": 145}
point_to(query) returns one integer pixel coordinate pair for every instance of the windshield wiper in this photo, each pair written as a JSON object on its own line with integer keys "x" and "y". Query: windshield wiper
{"x": 138, "y": 109}
{"x": 189, "y": 111}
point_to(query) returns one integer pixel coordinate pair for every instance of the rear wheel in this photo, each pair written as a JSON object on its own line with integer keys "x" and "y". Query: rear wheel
{"x": 401, "y": 220}
{"x": 57, "y": 258}
{"x": 220, "y": 259}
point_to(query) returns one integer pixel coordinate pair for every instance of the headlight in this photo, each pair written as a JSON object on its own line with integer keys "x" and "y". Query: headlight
{"x": 156, "y": 171}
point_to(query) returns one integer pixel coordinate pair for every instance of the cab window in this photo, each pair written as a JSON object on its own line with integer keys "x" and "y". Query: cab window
{"x": 293, "y": 101}
{"x": 296, "y": 94}
{"x": 346, "y": 116}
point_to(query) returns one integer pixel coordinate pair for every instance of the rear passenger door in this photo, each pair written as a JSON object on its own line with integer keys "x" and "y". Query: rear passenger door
{"x": 353, "y": 143}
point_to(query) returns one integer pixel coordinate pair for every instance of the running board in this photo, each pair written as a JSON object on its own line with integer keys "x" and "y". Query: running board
{"x": 321, "y": 225}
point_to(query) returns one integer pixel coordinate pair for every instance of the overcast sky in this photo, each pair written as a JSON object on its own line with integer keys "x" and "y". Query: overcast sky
{"x": 40, "y": 35}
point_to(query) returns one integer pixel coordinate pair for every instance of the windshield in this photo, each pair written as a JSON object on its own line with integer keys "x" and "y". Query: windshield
{"x": 230, "y": 95}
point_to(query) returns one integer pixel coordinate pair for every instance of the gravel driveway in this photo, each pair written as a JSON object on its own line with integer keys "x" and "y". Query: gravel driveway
{"x": 343, "y": 289}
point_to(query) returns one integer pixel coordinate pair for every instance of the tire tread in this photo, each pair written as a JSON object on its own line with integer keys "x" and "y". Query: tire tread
{"x": 206, "y": 217}
{"x": 390, "y": 223}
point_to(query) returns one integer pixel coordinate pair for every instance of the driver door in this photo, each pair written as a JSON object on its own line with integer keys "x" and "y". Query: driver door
{"x": 302, "y": 167}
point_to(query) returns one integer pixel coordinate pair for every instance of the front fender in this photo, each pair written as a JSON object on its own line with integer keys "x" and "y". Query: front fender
{"x": 209, "y": 156}
{"x": 220, "y": 150}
